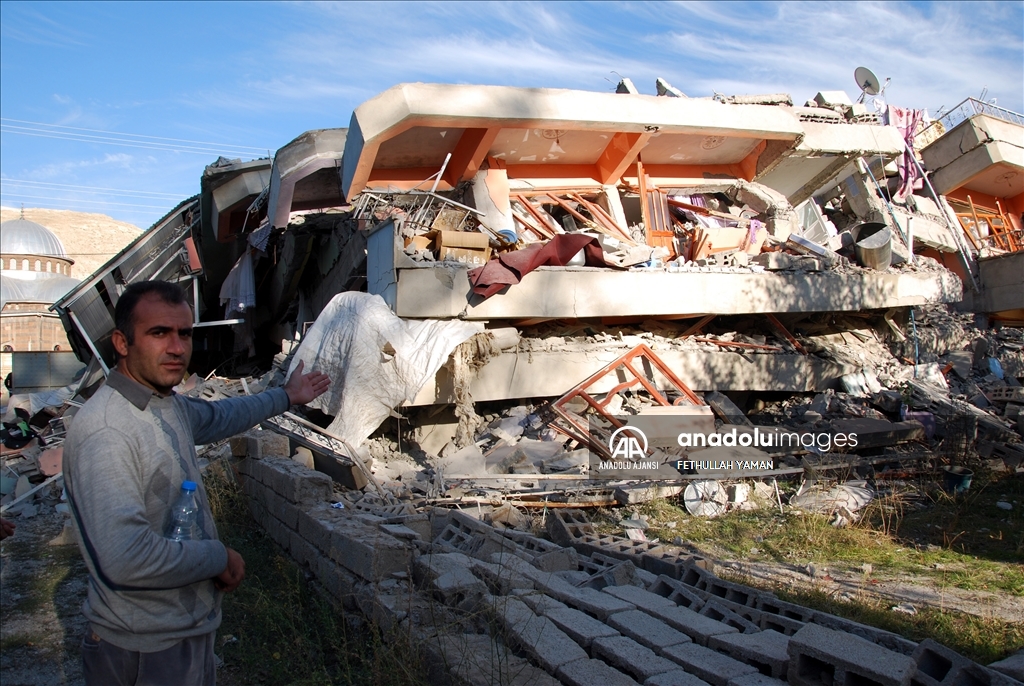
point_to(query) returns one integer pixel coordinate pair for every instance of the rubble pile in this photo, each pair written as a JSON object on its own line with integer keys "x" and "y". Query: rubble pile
{"x": 563, "y": 603}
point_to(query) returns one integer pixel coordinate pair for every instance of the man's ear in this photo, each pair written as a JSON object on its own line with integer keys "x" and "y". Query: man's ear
{"x": 120, "y": 342}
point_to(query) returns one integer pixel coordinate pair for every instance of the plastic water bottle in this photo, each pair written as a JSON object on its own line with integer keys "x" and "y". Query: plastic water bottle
{"x": 184, "y": 514}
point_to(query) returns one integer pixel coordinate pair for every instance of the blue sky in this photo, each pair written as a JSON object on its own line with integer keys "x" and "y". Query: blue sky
{"x": 117, "y": 107}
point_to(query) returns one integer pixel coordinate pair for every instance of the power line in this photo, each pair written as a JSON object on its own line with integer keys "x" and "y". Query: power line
{"x": 91, "y": 202}
{"x": 128, "y": 143}
{"x": 48, "y": 185}
{"x": 136, "y": 135}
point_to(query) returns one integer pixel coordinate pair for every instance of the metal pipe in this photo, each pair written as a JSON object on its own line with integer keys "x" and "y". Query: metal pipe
{"x": 88, "y": 342}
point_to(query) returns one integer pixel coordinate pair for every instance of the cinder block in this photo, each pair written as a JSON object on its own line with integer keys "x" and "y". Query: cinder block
{"x": 420, "y": 523}
{"x": 592, "y": 672}
{"x": 622, "y": 574}
{"x": 295, "y": 482}
{"x": 772, "y": 605}
{"x": 538, "y": 601}
{"x": 369, "y": 552}
{"x": 317, "y": 525}
{"x": 647, "y": 630}
{"x": 768, "y": 651}
{"x": 595, "y": 603}
{"x": 264, "y": 444}
{"x": 1012, "y": 666}
{"x": 280, "y": 533}
{"x": 937, "y": 665}
{"x": 560, "y": 559}
{"x": 240, "y": 444}
{"x": 535, "y": 635}
{"x": 712, "y": 667}
{"x": 473, "y": 659}
{"x": 629, "y": 656}
{"x": 886, "y": 639}
{"x": 755, "y": 680}
{"x": 678, "y": 592}
{"x": 283, "y": 510}
{"x": 301, "y": 550}
{"x": 500, "y": 579}
{"x": 645, "y": 600}
{"x": 448, "y": 577}
{"x": 675, "y": 678}
{"x": 824, "y": 657}
{"x": 565, "y": 526}
{"x": 697, "y": 627}
{"x": 581, "y": 627}
{"x": 717, "y": 611}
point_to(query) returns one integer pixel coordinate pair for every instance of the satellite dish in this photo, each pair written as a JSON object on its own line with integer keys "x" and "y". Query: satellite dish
{"x": 867, "y": 81}
{"x": 705, "y": 498}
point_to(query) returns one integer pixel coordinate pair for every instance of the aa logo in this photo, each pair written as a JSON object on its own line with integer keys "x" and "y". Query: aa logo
{"x": 624, "y": 443}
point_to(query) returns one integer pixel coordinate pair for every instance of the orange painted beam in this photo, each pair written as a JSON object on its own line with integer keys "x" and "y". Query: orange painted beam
{"x": 748, "y": 165}
{"x": 551, "y": 171}
{"x": 621, "y": 151}
{"x": 469, "y": 154}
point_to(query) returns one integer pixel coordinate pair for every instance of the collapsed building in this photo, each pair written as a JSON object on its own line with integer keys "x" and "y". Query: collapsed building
{"x": 500, "y": 278}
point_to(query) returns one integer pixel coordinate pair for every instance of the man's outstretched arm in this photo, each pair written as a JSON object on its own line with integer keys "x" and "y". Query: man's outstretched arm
{"x": 220, "y": 419}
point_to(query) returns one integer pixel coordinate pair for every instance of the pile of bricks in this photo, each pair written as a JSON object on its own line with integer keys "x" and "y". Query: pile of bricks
{"x": 492, "y": 606}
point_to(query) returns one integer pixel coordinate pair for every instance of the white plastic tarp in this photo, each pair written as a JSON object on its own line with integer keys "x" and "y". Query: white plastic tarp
{"x": 376, "y": 360}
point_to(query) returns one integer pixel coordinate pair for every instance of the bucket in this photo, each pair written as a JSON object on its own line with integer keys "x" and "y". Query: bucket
{"x": 956, "y": 480}
{"x": 873, "y": 245}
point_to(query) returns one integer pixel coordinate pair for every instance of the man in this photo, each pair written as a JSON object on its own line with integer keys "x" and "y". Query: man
{"x": 154, "y": 604}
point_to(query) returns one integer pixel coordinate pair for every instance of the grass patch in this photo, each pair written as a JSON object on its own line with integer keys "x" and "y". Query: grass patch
{"x": 278, "y": 629}
{"x": 965, "y": 542}
{"x": 983, "y": 640}
{"x": 15, "y": 641}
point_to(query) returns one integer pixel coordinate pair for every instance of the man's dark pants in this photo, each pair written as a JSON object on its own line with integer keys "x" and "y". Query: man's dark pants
{"x": 187, "y": 663}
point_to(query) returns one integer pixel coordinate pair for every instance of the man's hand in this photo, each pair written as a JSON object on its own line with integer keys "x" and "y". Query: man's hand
{"x": 6, "y": 529}
{"x": 301, "y": 389}
{"x": 232, "y": 576}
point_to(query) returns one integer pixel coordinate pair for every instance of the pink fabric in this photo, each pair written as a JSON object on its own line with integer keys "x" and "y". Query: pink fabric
{"x": 907, "y": 121}
{"x": 510, "y": 268}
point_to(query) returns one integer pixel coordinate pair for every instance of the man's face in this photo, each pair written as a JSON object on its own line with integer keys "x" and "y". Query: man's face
{"x": 163, "y": 344}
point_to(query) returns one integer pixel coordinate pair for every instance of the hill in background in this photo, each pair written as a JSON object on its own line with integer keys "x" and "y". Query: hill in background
{"x": 90, "y": 239}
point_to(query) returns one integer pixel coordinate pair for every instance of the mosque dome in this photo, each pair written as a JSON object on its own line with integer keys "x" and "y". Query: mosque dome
{"x": 24, "y": 237}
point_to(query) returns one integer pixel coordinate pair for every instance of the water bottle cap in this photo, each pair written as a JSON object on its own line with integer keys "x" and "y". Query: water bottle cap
{"x": 188, "y": 486}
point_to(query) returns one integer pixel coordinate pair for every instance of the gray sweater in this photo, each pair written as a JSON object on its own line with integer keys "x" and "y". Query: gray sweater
{"x": 126, "y": 454}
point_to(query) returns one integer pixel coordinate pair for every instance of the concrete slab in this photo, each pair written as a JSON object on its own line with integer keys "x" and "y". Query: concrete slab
{"x": 550, "y": 373}
{"x": 581, "y": 292}
{"x": 395, "y": 135}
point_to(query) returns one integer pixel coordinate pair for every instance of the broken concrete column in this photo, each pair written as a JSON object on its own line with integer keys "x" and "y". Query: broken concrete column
{"x": 490, "y": 196}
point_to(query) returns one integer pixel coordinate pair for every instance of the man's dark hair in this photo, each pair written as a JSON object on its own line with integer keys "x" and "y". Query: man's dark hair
{"x": 124, "y": 311}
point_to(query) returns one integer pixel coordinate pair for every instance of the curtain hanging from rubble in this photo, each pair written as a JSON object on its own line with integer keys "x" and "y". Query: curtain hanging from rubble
{"x": 238, "y": 291}
{"x": 907, "y": 121}
{"x": 376, "y": 360}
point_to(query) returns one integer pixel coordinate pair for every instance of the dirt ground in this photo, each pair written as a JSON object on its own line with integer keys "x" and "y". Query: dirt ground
{"x": 42, "y": 587}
